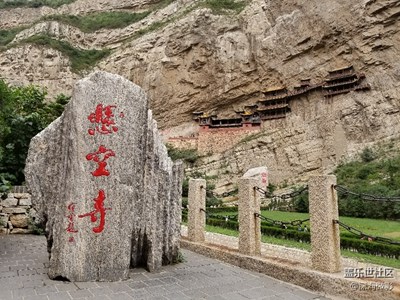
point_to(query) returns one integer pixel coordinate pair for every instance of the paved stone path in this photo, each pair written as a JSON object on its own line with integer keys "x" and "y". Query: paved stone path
{"x": 23, "y": 261}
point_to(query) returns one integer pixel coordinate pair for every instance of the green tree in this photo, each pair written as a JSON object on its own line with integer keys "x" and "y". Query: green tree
{"x": 301, "y": 203}
{"x": 189, "y": 156}
{"x": 371, "y": 176}
{"x": 367, "y": 155}
{"x": 23, "y": 114}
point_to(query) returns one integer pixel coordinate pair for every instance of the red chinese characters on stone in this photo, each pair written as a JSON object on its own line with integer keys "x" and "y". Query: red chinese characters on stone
{"x": 71, "y": 216}
{"x": 103, "y": 120}
{"x": 100, "y": 157}
{"x": 98, "y": 209}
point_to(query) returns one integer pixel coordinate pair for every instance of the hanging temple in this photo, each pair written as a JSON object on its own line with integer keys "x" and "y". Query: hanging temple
{"x": 276, "y": 101}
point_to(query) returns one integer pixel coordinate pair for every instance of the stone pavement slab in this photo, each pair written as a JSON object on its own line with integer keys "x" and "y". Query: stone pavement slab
{"x": 24, "y": 257}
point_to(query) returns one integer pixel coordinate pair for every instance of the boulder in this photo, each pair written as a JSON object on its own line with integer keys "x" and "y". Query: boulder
{"x": 101, "y": 179}
{"x": 9, "y": 202}
{"x": 21, "y": 195}
{"x": 26, "y": 201}
{"x": 19, "y": 221}
{"x": 260, "y": 173}
{"x": 14, "y": 210}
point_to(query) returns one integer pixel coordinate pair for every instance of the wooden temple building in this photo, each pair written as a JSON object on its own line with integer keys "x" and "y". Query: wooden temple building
{"x": 343, "y": 80}
{"x": 249, "y": 115}
{"x": 304, "y": 87}
{"x": 245, "y": 119}
{"x": 276, "y": 100}
{"x": 275, "y": 104}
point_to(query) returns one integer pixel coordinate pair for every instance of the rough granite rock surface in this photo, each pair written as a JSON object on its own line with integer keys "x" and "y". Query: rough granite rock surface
{"x": 138, "y": 201}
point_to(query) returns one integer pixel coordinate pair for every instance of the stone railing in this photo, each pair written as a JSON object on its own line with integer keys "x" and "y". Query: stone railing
{"x": 16, "y": 212}
{"x": 321, "y": 269}
{"x": 325, "y": 246}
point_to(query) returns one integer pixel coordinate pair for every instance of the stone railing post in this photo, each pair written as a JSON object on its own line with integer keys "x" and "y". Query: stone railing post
{"x": 325, "y": 237}
{"x": 249, "y": 224}
{"x": 196, "y": 213}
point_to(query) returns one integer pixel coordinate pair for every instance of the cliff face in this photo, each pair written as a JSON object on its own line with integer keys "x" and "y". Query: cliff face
{"x": 193, "y": 59}
{"x": 26, "y": 16}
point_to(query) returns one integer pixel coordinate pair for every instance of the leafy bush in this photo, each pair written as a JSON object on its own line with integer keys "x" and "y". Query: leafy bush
{"x": 6, "y": 180}
{"x": 180, "y": 258}
{"x": 6, "y": 36}
{"x": 33, "y": 3}
{"x": 80, "y": 59}
{"x": 187, "y": 155}
{"x": 296, "y": 204}
{"x": 301, "y": 203}
{"x": 367, "y": 155}
{"x": 213, "y": 201}
{"x": 23, "y": 113}
{"x": 374, "y": 177}
{"x": 36, "y": 228}
{"x": 96, "y": 21}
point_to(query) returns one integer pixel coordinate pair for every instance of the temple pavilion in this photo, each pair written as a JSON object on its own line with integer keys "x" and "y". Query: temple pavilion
{"x": 343, "y": 80}
{"x": 275, "y": 104}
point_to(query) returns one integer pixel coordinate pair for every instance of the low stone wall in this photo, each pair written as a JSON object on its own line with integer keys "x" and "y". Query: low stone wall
{"x": 16, "y": 213}
{"x": 297, "y": 256}
{"x": 183, "y": 142}
{"x": 217, "y": 140}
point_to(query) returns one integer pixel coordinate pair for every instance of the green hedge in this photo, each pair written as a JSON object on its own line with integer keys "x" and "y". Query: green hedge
{"x": 346, "y": 240}
{"x": 222, "y": 209}
{"x": 366, "y": 247}
{"x": 226, "y": 209}
{"x": 289, "y": 234}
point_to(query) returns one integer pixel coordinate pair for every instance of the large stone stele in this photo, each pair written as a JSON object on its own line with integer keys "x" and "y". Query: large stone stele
{"x": 141, "y": 195}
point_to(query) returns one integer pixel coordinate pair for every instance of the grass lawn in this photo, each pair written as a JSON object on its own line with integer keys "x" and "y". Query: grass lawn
{"x": 384, "y": 228}
{"x": 374, "y": 227}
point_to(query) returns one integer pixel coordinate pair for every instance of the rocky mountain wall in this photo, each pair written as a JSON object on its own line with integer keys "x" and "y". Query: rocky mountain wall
{"x": 199, "y": 60}
{"x": 25, "y": 16}
{"x": 316, "y": 136}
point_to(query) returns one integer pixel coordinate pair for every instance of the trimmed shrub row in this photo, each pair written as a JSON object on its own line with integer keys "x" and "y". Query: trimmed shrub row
{"x": 347, "y": 241}
{"x": 227, "y": 209}
{"x": 366, "y": 247}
